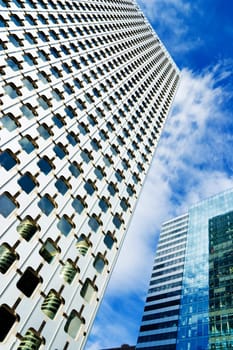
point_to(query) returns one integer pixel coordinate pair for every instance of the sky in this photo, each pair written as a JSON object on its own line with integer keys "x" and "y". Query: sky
{"x": 193, "y": 160}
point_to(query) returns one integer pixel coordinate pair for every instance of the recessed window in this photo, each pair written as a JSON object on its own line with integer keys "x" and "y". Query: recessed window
{"x": 56, "y": 72}
{"x": 94, "y": 222}
{"x": 29, "y": 83}
{"x": 90, "y": 187}
{"x": 7, "y": 204}
{"x": 42, "y": 19}
{"x": 16, "y": 20}
{"x": 112, "y": 188}
{"x": 30, "y": 20}
{"x": 31, "y": 337}
{"x": 71, "y": 113}
{"x": 55, "y": 36}
{"x": 60, "y": 150}
{"x": 62, "y": 185}
{"x": 15, "y": 40}
{"x": 68, "y": 271}
{"x": 28, "y": 282}
{"x": 44, "y": 131}
{"x": 44, "y": 102}
{"x": 87, "y": 290}
{"x": 27, "y": 144}
{"x": 43, "y": 56}
{"x": 72, "y": 138}
{"x": 75, "y": 169}
{"x": 13, "y": 64}
{"x": 73, "y": 324}
{"x": 109, "y": 240}
{"x": 79, "y": 204}
{"x": 65, "y": 225}
{"x": 51, "y": 304}
{"x": 8, "y": 159}
{"x": 28, "y": 111}
{"x": 12, "y": 90}
{"x": 131, "y": 190}
{"x": 27, "y": 182}
{"x": 95, "y": 145}
{"x": 46, "y": 204}
{"x": 83, "y": 128}
{"x": 86, "y": 156}
{"x": 45, "y": 78}
{"x": 3, "y": 22}
{"x": 49, "y": 250}
{"x": 124, "y": 204}
{"x": 8, "y": 318}
{"x": 27, "y": 228}
{"x": 82, "y": 245}
{"x": 99, "y": 172}
{"x": 45, "y": 165}
{"x": 104, "y": 204}
{"x": 57, "y": 95}
{"x": 10, "y": 122}
{"x": 7, "y": 258}
{"x": 103, "y": 134}
{"x": 99, "y": 263}
{"x": 58, "y": 121}
{"x": 117, "y": 220}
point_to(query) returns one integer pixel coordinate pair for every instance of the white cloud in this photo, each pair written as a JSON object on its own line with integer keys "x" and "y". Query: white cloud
{"x": 171, "y": 24}
{"x": 188, "y": 166}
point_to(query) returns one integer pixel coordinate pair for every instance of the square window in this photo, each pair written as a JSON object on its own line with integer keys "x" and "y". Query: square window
{"x": 60, "y": 150}
{"x": 28, "y": 282}
{"x": 31, "y": 337}
{"x": 51, "y": 304}
{"x": 104, "y": 204}
{"x": 9, "y": 122}
{"x": 75, "y": 169}
{"x": 73, "y": 324}
{"x": 99, "y": 172}
{"x": 90, "y": 187}
{"x": 108, "y": 241}
{"x": 65, "y": 225}
{"x": 44, "y": 131}
{"x": 27, "y": 182}
{"x": 7, "y": 159}
{"x": 94, "y": 223}
{"x": 7, "y": 204}
{"x": 27, "y": 228}
{"x": 78, "y": 204}
{"x": 49, "y": 250}
{"x": 99, "y": 263}
{"x": 45, "y": 165}
{"x": 46, "y": 204}
{"x": 7, "y": 319}
{"x": 61, "y": 185}
{"x": 82, "y": 245}
{"x": 68, "y": 271}
{"x": 27, "y": 144}
{"x": 87, "y": 290}
{"x": 7, "y": 257}
{"x": 117, "y": 220}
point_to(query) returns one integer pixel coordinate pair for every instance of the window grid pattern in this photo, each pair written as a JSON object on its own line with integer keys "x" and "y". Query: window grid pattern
{"x": 161, "y": 312}
{"x": 85, "y": 90}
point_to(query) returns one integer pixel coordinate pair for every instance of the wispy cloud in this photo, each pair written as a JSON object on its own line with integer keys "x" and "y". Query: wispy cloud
{"x": 192, "y": 162}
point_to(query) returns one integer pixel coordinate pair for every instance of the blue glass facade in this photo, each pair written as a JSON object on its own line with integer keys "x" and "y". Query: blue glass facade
{"x": 205, "y": 311}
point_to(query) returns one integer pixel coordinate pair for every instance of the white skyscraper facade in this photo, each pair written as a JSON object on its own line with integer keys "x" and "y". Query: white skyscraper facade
{"x": 84, "y": 93}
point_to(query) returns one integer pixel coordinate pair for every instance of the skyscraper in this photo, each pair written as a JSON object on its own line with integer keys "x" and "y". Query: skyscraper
{"x": 85, "y": 90}
{"x": 189, "y": 303}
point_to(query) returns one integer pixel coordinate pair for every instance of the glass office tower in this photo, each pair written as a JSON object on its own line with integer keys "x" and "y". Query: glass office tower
{"x": 189, "y": 303}
{"x": 85, "y": 90}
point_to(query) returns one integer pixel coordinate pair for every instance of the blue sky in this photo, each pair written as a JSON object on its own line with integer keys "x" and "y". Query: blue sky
{"x": 194, "y": 158}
